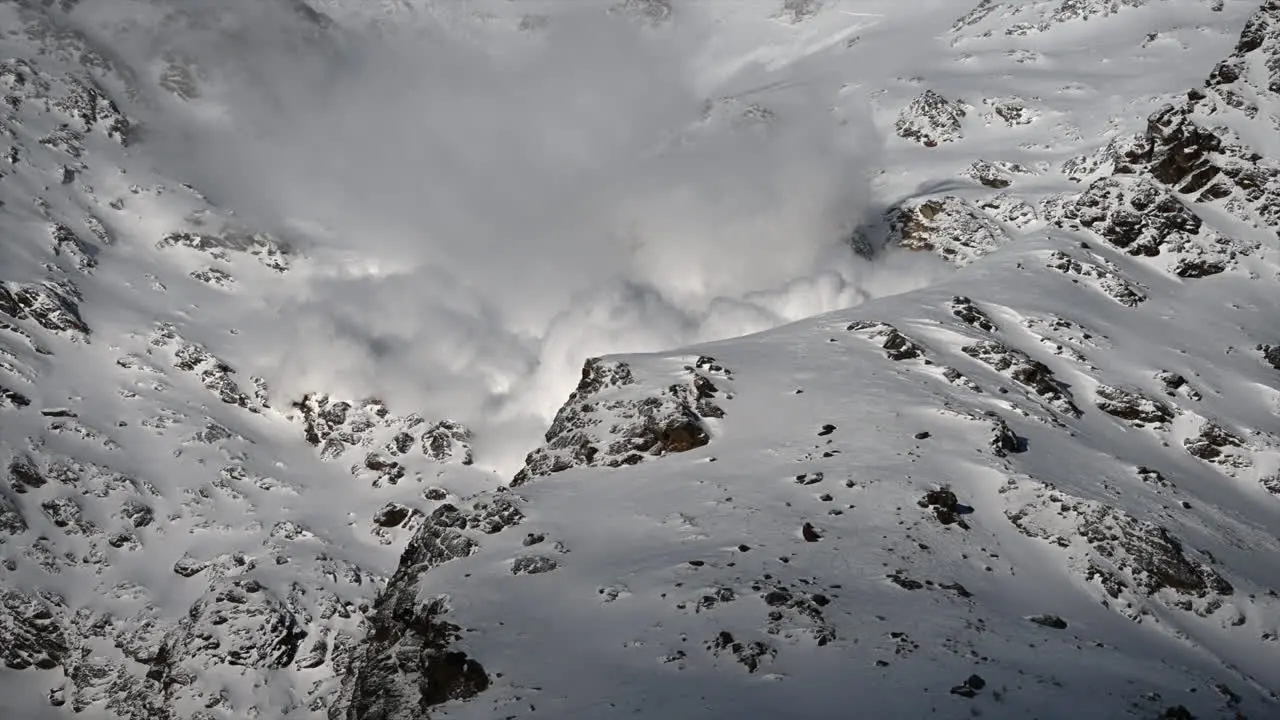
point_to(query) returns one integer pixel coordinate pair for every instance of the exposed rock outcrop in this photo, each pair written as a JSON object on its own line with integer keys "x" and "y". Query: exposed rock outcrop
{"x": 949, "y": 227}
{"x": 931, "y": 119}
{"x": 605, "y": 423}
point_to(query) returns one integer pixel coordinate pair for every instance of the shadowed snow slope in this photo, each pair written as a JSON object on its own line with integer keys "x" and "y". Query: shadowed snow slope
{"x": 975, "y": 413}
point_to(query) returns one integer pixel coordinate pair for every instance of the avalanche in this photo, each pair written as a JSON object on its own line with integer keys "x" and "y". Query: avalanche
{"x": 917, "y": 363}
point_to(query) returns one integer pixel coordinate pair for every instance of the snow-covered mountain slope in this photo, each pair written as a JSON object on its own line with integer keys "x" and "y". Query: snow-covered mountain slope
{"x": 1031, "y": 469}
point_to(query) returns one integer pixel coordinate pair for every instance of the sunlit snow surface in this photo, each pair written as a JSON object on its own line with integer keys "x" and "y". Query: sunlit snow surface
{"x": 449, "y": 206}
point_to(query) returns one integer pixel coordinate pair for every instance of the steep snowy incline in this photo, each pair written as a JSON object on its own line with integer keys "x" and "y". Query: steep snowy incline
{"x": 1044, "y": 485}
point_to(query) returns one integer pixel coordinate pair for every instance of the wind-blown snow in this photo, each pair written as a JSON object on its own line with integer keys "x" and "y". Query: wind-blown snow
{"x": 487, "y": 207}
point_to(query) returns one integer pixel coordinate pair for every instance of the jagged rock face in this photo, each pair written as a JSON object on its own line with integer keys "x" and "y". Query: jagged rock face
{"x": 447, "y": 441}
{"x": 390, "y": 441}
{"x": 237, "y": 622}
{"x": 950, "y": 227}
{"x": 603, "y": 424}
{"x": 52, "y": 305}
{"x": 931, "y": 119}
{"x": 1123, "y": 155}
{"x": 1141, "y": 217}
{"x": 34, "y": 637}
{"x": 1185, "y": 150}
{"x": 1259, "y": 45}
{"x": 411, "y": 660}
{"x": 409, "y": 663}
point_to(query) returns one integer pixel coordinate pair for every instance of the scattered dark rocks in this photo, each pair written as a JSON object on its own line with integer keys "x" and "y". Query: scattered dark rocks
{"x": 749, "y": 655}
{"x": 965, "y": 309}
{"x": 1033, "y": 374}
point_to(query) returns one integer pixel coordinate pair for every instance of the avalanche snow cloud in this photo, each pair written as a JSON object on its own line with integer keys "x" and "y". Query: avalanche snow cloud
{"x": 489, "y": 203}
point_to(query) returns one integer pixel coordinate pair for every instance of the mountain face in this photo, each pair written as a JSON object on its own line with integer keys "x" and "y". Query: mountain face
{"x": 1027, "y": 465}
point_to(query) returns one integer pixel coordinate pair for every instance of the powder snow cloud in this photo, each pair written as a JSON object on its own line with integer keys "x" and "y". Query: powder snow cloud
{"x": 488, "y": 202}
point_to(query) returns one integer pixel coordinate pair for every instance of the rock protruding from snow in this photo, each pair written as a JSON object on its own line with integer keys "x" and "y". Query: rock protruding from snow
{"x": 931, "y": 119}
{"x": 998, "y": 174}
{"x": 1134, "y": 407}
{"x": 1128, "y": 558}
{"x": 53, "y": 305}
{"x": 1026, "y": 371}
{"x": 1190, "y": 155}
{"x": 238, "y": 621}
{"x": 410, "y": 662}
{"x": 447, "y": 441}
{"x": 214, "y": 373}
{"x": 612, "y": 420}
{"x": 896, "y": 346}
{"x": 949, "y": 227}
{"x": 1101, "y": 274}
{"x": 1216, "y": 444}
{"x": 269, "y": 251}
{"x": 337, "y": 426}
{"x": 1141, "y": 217}
{"x": 1124, "y": 154}
{"x": 32, "y": 631}
{"x": 1255, "y": 57}
{"x": 412, "y": 659}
